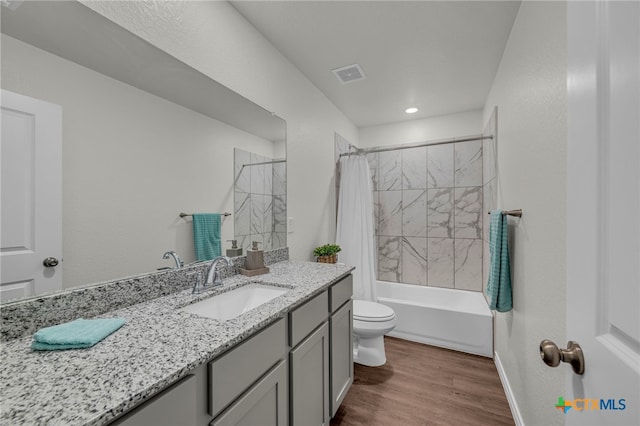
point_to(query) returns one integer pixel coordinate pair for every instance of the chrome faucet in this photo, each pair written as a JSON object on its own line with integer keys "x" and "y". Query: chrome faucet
{"x": 179, "y": 262}
{"x": 213, "y": 276}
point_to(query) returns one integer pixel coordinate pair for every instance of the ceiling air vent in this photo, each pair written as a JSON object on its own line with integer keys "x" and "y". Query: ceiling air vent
{"x": 349, "y": 74}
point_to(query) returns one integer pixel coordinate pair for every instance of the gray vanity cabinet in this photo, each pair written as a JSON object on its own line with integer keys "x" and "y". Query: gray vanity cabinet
{"x": 321, "y": 358}
{"x": 341, "y": 340}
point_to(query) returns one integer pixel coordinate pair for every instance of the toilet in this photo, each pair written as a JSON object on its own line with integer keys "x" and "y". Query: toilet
{"x": 371, "y": 321}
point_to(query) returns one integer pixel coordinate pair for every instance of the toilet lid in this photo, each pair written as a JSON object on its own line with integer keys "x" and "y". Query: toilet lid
{"x": 371, "y": 311}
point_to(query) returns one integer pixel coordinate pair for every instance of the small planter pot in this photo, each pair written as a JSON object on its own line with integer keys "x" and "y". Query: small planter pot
{"x": 328, "y": 259}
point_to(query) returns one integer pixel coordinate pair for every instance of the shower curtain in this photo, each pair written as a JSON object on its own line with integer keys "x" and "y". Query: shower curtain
{"x": 355, "y": 229}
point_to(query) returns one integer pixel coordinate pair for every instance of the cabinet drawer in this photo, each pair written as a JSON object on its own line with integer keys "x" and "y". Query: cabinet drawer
{"x": 340, "y": 292}
{"x": 307, "y": 317}
{"x": 235, "y": 371}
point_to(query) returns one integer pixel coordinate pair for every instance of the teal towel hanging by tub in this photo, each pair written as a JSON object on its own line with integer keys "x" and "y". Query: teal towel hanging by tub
{"x": 206, "y": 235}
{"x": 499, "y": 285}
{"x": 76, "y": 334}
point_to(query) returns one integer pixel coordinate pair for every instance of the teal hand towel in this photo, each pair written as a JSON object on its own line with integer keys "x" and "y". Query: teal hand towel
{"x": 206, "y": 235}
{"x": 76, "y": 334}
{"x": 499, "y": 285}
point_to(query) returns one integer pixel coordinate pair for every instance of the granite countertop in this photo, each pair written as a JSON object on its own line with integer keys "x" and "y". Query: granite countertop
{"x": 157, "y": 346}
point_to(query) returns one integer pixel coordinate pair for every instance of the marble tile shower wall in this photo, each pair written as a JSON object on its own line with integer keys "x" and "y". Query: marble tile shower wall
{"x": 259, "y": 201}
{"x": 429, "y": 222}
{"x": 489, "y": 184}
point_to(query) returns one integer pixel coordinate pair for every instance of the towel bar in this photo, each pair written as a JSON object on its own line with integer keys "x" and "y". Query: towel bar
{"x": 190, "y": 214}
{"x": 516, "y": 213}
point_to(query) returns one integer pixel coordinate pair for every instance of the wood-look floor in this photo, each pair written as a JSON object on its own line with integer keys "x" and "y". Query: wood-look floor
{"x": 425, "y": 385}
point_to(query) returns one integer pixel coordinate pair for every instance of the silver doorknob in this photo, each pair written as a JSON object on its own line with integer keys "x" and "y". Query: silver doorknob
{"x": 50, "y": 262}
{"x": 552, "y": 355}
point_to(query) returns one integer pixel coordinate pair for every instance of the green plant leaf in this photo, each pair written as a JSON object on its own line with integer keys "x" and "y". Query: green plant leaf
{"x": 327, "y": 250}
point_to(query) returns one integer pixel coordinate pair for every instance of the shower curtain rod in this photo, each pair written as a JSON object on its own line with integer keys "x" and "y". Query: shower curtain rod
{"x": 279, "y": 160}
{"x": 416, "y": 145}
{"x": 265, "y": 162}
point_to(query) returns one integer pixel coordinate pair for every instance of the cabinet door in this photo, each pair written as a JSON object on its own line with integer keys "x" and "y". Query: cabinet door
{"x": 310, "y": 380}
{"x": 341, "y": 332}
{"x": 263, "y": 404}
{"x": 173, "y": 406}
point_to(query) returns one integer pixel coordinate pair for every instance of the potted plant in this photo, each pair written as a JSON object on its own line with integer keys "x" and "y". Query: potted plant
{"x": 327, "y": 253}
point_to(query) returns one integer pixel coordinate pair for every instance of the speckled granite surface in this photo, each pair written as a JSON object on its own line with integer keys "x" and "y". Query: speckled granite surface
{"x": 158, "y": 345}
{"x": 24, "y": 317}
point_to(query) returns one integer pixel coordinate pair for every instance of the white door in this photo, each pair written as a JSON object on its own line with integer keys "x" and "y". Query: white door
{"x": 31, "y": 196}
{"x": 603, "y": 212}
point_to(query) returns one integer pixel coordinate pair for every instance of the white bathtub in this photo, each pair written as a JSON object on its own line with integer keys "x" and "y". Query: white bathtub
{"x": 454, "y": 319}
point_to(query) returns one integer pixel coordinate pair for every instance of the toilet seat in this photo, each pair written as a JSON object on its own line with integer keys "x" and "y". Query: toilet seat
{"x": 371, "y": 312}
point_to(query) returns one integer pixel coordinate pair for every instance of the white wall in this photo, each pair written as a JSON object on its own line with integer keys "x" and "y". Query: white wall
{"x": 215, "y": 39}
{"x": 421, "y": 130}
{"x": 131, "y": 163}
{"x": 530, "y": 92}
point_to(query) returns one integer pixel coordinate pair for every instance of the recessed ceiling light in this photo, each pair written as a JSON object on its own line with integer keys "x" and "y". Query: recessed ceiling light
{"x": 411, "y": 110}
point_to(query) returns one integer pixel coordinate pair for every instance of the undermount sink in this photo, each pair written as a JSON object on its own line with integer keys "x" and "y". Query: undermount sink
{"x": 235, "y": 302}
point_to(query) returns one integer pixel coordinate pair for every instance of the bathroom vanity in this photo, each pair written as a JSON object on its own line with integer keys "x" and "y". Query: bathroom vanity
{"x": 287, "y": 362}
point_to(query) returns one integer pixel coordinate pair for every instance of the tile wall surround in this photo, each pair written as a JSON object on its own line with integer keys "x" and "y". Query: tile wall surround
{"x": 489, "y": 185}
{"x": 24, "y": 317}
{"x": 429, "y": 208}
{"x": 429, "y": 205}
{"x": 260, "y": 201}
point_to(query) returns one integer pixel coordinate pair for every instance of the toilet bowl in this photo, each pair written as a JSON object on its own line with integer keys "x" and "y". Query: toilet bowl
{"x": 371, "y": 321}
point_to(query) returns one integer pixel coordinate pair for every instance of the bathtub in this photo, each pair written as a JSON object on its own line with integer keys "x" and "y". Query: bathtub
{"x": 453, "y": 319}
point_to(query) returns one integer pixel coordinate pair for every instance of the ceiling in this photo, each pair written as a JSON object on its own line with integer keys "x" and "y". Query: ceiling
{"x": 439, "y": 56}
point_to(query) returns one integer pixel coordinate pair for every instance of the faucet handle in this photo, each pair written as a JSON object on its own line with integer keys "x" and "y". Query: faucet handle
{"x": 199, "y": 285}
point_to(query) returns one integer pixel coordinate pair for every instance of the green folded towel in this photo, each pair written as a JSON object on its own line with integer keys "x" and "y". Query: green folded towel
{"x": 206, "y": 235}
{"x": 499, "y": 284}
{"x": 76, "y": 334}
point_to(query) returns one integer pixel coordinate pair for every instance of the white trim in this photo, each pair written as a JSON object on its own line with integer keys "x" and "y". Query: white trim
{"x": 513, "y": 405}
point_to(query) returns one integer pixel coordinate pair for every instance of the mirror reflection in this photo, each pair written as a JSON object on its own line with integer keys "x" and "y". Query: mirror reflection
{"x": 144, "y": 138}
{"x": 260, "y": 200}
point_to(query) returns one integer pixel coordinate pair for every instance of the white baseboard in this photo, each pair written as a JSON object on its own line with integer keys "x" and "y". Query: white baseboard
{"x": 515, "y": 412}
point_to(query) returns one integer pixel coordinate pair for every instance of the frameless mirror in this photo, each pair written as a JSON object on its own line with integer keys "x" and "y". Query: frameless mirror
{"x": 145, "y": 137}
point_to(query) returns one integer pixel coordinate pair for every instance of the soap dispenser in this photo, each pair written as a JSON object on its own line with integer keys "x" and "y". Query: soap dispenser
{"x": 254, "y": 261}
{"x": 234, "y": 251}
